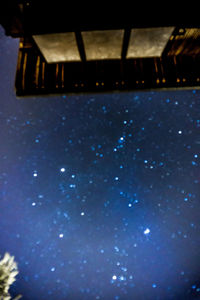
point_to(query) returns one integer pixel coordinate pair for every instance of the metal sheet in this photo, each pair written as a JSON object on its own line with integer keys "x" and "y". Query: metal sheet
{"x": 148, "y": 42}
{"x": 103, "y": 44}
{"x": 58, "y": 47}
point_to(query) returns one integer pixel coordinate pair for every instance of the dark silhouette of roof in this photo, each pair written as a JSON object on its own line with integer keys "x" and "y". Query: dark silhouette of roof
{"x": 74, "y": 49}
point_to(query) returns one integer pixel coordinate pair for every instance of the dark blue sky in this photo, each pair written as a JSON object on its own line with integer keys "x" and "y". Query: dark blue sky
{"x": 100, "y": 194}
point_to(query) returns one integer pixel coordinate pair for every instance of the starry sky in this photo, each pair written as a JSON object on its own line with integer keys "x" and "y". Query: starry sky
{"x": 100, "y": 193}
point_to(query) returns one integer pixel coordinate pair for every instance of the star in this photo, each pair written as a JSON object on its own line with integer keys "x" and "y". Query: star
{"x": 146, "y": 231}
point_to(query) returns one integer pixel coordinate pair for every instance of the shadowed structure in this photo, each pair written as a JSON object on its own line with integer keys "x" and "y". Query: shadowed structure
{"x": 91, "y": 54}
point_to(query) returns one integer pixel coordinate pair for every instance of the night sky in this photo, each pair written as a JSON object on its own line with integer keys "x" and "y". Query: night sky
{"x": 100, "y": 193}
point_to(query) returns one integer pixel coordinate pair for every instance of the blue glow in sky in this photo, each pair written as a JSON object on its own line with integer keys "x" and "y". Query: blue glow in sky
{"x": 100, "y": 194}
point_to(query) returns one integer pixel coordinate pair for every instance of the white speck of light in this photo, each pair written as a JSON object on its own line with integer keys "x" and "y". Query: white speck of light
{"x": 114, "y": 277}
{"x": 122, "y": 278}
{"x": 116, "y": 249}
{"x": 147, "y": 231}
{"x": 62, "y": 170}
{"x": 82, "y": 213}
{"x": 53, "y": 269}
{"x": 61, "y": 235}
{"x": 180, "y": 132}
{"x": 121, "y": 138}
{"x": 129, "y": 205}
{"x": 33, "y": 203}
{"x": 72, "y": 186}
{"x": 35, "y": 174}
{"x": 116, "y": 178}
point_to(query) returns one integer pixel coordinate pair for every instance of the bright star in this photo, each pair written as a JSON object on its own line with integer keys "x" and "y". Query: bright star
{"x": 122, "y": 278}
{"x": 147, "y": 231}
